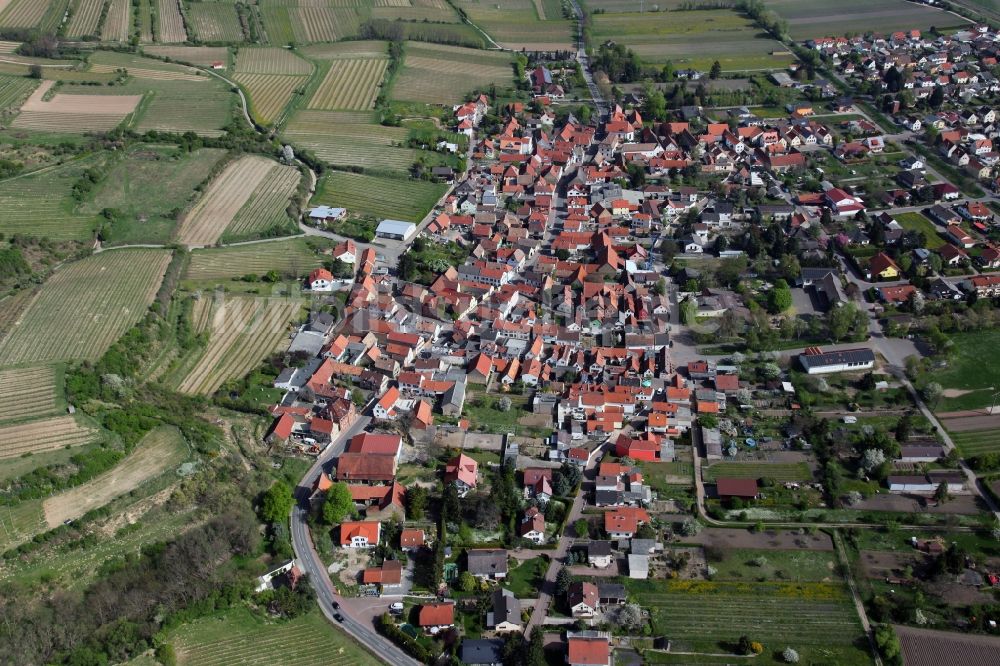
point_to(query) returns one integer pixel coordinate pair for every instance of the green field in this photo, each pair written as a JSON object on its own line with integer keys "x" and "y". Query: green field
{"x": 816, "y": 619}
{"x": 41, "y": 205}
{"x": 655, "y": 473}
{"x": 378, "y": 196}
{"x": 693, "y": 39}
{"x": 777, "y": 471}
{"x": 239, "y": 637}
{"x": 966, "y": 371}
{"x": 798, "y": 565}
{"x": 437, "y": 74}
{"x": 517, "y": 24}
{"x": 147, "y": 188}
{"x": 291, "y": 257}
{"x": 14, "y": 90}
{"x": 816, "y": 18}
{"x": 525, "y": 579}
{"x": 917, "y": 222}
{"x": 977, "y": 442}
{"x": 338, "y": 138}
{"x": 215, "y": 21}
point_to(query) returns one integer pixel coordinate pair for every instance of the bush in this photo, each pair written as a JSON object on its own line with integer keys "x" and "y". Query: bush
{"x": 790, "y": 656}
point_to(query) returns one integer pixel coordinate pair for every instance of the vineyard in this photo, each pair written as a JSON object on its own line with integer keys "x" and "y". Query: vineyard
{"x": 516, "y": 24}
{"x": 350, "y": 83}
{"x": 351, "y": 144}
{"x": 17, "y": 403}
{"x": 41, "y": 204}
{"x": 118, "y": 24}
{"x": 243, "y": 332}
{"x": 436, "y": 74}
{"x": 277, "y": 25}
{"x": 159, "y": 450}
{"x": 323, "y": 24}
{"x": 393, "y": 198}
{"x": 269, "y": 93}
{"x": 354, "y": 49}
{"x": 271, "y": 60}
{"x": 143, "y": 68}
{"x": 23, "y": 13}
{"x": 14, "y": 90}
{"x": 74, "y": 113}
{"x": 83, "y": 22}
{"x": 204, "y": 56}
{"x": 238, "y": 637}
{"x": 266, "y": 208}
{"x": 44, "y": 435}
{"x": 170, "y": 27}
{"x": 215, "y": 21}
{"x": 204, "y": 224}
{"x": 293, "y": 257}
{"x": 83, "y": 308}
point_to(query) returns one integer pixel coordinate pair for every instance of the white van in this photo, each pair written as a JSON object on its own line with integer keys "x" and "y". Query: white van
{"x": 850, "y": 419}
{"x": 396, "y": 607}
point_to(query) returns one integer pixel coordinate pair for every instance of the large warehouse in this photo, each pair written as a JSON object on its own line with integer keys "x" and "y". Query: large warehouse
{"x": 395, "y": 229}
{"x": 815, "y": 361}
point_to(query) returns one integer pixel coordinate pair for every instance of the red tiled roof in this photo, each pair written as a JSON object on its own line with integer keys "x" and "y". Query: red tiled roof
{"x": 434, "y": 615}
{"x": 727, "y": 487}
{"x": 584, "y": 651}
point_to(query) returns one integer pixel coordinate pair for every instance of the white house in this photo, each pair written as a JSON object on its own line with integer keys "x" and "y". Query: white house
{"x": 320, "y": 280}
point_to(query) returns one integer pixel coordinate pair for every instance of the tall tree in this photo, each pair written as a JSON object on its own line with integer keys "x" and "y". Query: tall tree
{"x": 277, "y": 503}
{"x": 338, "y": 504}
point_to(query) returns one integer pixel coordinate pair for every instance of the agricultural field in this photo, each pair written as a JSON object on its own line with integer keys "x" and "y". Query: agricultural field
{"x": 118, "y": 24}
{"x": 778, "y": 471}
{"x": 14, "y": 90}
{"x": 968, "y": 382}
{"x": 438, "y": 74}
{"x": 23, "y": 13}
{"x": 239, "y": 637}
{"x": 144, "y": 68}
{"x": 519, "y": 24}
{"x": 349, "y": 84}
{"x": 271, "y": 60}
{"x": 269, "y": 93}
{"x": 42, "y": 205}
{"x": 146, "y": 187}
{"x": 311, "y": 22}
{"x": 72, "y": 112}
{"x": 146, "y": 20}
{"x": 243, "y": 331}
{"x": 365, "y": 48}
{"x": 277, "y": 25}
{"x": 977, "y": 442}
{"x": 693, "y": 39}
{"x": 8, "y": 47}
{"x": 266, "y": 208}
{"x": 917, "y": 222}
{"x": 215, "y": 21}
{"x": 350, "y": 139}
{"x": 159, "y": 450}
{"x": 169, "y": 22}
{"x": 437, "y": 11}
{"x": 85, "y": 306}
{"x": 84, "y": 18}
{"x": 816, "y": 619}
{"x": 44, "y": 435}
{"x": 814, "y": 18}
{"x": 41, "y": 399}
{"x": 225, "y": 197}
{"x": 294, "y": 257}
{"x": 202, "y": 56}
{"x": 379, "y": 196}
{"x": 799, "y": 565}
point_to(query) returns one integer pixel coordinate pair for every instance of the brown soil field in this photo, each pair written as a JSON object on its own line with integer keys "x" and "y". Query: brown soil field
{"x": 80, "y": 104}
{"x": 44, "y": 435}
{"x": 158, "y": 451}
{"x": 27, "y": 392}
{"x": 204, "y": 224}
{"x": 967, "y": 421}
{"x": 926, "y": 647}
{"x": 780, "y": 540}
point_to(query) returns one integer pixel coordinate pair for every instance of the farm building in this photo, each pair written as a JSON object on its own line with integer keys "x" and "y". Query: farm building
{"x": 326, "y": 214}
{"x": 743, "y": 488}
{"x": 815, "y": 361}
{"x": 481, "y": 652}
{"x": 910, "y": 484}
{"x": 953, "y": 478}
{"x": 920, "y": 453}
{"x": 395, "y": 230}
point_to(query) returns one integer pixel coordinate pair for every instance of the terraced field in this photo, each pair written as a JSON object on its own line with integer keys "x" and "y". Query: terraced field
{"x": 438, "y": 74}
{"x": 44, "y": 435}
{"x": 350, "y": 84}
{"x": 266, "y": 208}
{"x": 83, "y": 21}
{"x": 85, "y": 306}
{"x": 170, "y": 23}
{"x": 293, "y": 257}
{"x": 215, "y": 21}
{"x": 243, "y": 332}
{"x": 28, "y": 393}
{"x": 41, "y": 205}
{"x": 393, "y": 198}
{"x": 118, "y": 24}
{"x": 214, "y": 212}
{"x": 777, "y": 471}
{"x": 336, "y": 140}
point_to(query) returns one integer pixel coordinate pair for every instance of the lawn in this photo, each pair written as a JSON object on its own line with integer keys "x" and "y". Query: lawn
{"x": 655, "y": 473}
{"x": 525, "y": 579}
{"x": 917, "y": 222}
{"x": 967, "y": 372}
{"x": 977, "y": 442}
{"x": 379, "y": 196}
{"x": 798, "y": 565}
{"x": 483, "y": 412}
{"x": 240, "y": 637}
{"x": 759, "y": 470}
{"x": 816, "y": 619}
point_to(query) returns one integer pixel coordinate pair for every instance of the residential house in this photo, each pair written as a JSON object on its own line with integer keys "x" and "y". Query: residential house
{"x": 487, "y": 563}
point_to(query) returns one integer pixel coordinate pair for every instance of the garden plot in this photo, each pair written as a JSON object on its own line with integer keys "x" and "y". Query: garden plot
{"x": 205, "y": 223}
{"x": 28, "y": 393}
{"x": 44, "y": 435}
{"x": 74, "y": 113}
{"x": 85, "y": 306}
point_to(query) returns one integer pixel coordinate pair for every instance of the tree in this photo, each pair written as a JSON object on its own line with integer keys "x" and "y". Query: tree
{"x": 888, "y": 644}
{"x": 744, "y": 645}
{"x": 690, "y": 527}
{"x": 416, "y": 502}
{"x": 563, "y": 581}
{"x": 903, "y": 428}
{"x": 466, "y": 582}
{"x": 504, "y": 404}
{"x": 941, "y": 493}
{"x": 337, "y": 504}
{"x": 872, "y": 459}
{"x": 581, "y": 528}
{"x": 716, "y": 70}
{"x": 931, "y": 393}
{"x": 780, "y": 298}
{"x": 936, "y": 98}
{"x": 790, "y": 656}
{"x": 277, "y": 503}
{"x": 629, "y": 616}
{"x": 535, "y": 653}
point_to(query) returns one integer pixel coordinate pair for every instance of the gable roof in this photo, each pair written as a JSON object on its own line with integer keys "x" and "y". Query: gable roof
{"x": 435, "y": 615}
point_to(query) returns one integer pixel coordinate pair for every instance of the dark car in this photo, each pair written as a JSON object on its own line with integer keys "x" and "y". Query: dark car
{"x": 338, "y": 617}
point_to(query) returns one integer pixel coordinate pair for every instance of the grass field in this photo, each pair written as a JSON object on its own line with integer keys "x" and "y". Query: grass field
{"x": 526, "y": 578}
{"x": 294, "y": 257}
{"x": 967, "y": 372}
{"x": 917, "y": 222}
{"x": 438, "y": 74}
{"x": 40, "y": 205}
{"x": 977, "y": 442}
{"x": 693, "y": 39}
{"x": 655, "y": 473}
{"x": 798, "y": 565}
{"x": 242, "y": 333}
{"x": 517, "y": 24}
{"x": 146, "y": 187}
{"x": 379, "y": 196}
{"x": 816, "y": 619}
{"x": 777, "y": 471}
{"x": 266, "y": 207}
{"x": 215, "y": 21}
{"x": 225, "y": 197}
{"x": 40, "y": 398}
{"x": 238, "y": 637}
{"x": 44, "y": 435}
{"x": 815, "y": 18}
{"x": 160, "y": 450}
{"x": 85, "y": 306}
{"x": 350, "y": 84}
